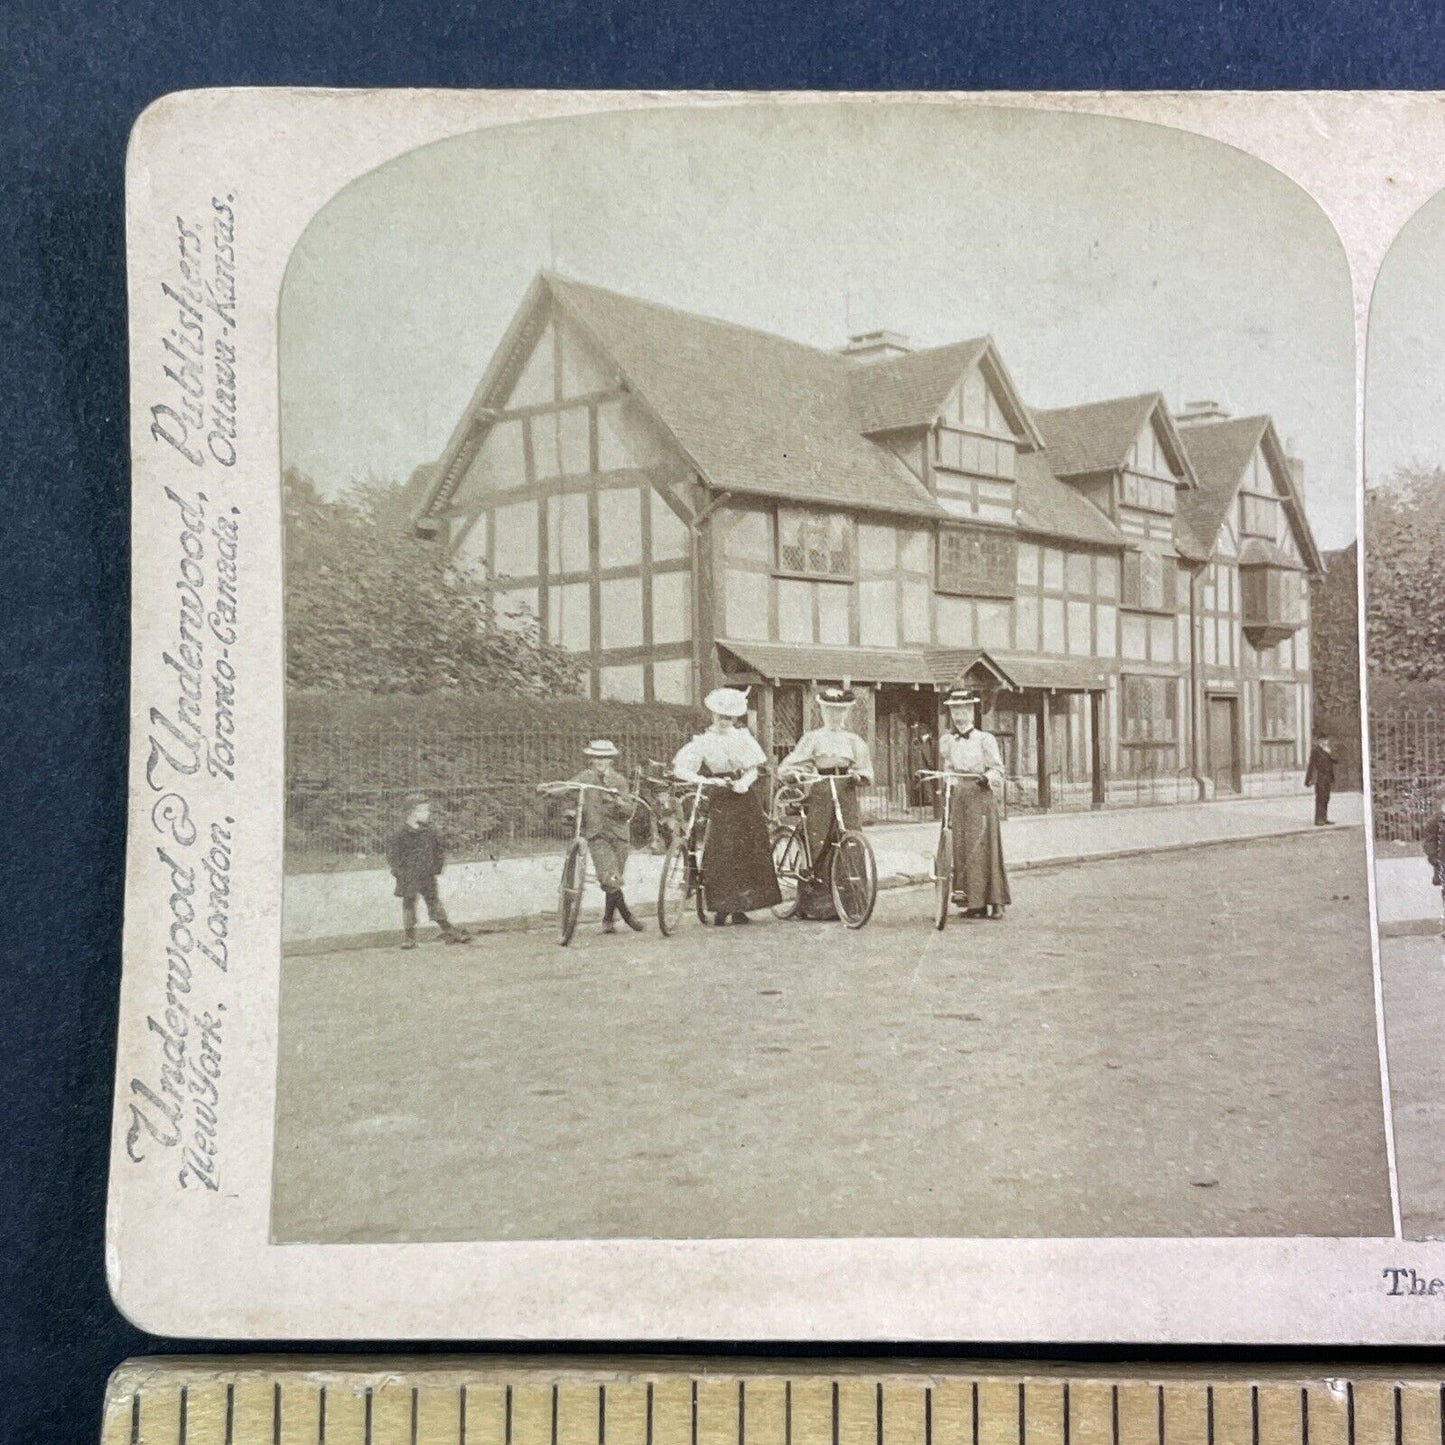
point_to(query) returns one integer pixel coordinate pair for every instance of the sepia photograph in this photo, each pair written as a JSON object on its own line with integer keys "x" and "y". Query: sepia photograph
{"x": 823, "y": 692}
{"x": 1404, "y": 545}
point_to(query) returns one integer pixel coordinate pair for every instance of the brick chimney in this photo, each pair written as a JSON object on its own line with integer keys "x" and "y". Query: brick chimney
{"x": 1196, "y": 412}
{"x": 876, "y": 346}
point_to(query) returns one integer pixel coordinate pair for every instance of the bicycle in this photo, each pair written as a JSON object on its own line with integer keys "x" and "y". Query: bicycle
{"x": 943, "y": 857}
{"x": 852, "y": 871}
{"x": 682, "y": 871}
{"x": 576, "y": 863}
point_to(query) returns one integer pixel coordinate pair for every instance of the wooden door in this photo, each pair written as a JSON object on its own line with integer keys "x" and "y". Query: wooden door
{"x": 1224, "y": 743}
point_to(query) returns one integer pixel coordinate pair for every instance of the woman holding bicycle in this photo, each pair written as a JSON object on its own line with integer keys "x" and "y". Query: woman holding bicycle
{"x": 980, "y": 881}
{"x": 831, "y": 749}
{"x": 739, "y": 857}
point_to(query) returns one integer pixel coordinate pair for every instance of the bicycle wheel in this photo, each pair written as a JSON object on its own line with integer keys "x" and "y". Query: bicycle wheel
{"x": 790, "y": 855}
{"x": 699, "y": 897}
{"x": 942, "y": 877}
{"x": 674, "y": 887}
{"x": 570, "y": 890}
{"x": 854, "y": 879}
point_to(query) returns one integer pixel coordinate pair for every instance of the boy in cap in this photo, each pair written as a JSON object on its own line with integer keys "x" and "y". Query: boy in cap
{"x": 415, "y": 856}
{"x": 607, "y": 827}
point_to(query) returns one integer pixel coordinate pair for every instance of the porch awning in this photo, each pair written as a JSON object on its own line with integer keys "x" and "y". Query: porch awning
{"x": 796, "y": 663}
{"x": 1047, "y": 674}
{"x": 937, "y": 667}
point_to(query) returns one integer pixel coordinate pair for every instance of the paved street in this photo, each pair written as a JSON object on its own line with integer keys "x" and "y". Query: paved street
{"x": 1413, "y": 976}
{"x": 1175, "y": 1045}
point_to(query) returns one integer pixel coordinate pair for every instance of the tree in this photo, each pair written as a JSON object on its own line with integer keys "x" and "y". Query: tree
{"x": 370, "y": 607}
{"x": 1405, "y": 576}
{"x": 1335, "y": 641}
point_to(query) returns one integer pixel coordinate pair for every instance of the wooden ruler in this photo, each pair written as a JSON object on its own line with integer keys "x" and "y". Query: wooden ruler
{"x": 301, "y": 1401}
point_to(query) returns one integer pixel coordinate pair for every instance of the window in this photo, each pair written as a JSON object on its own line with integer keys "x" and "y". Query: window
{"x": 1149, "y": 706}
{"x": 1271, "y": 595}
{"x": 1077, "y": 570}
{"x": 1259, "y": 516}
{"x": 815, "y": 544}
{"x": 1276, "y": 711}
{"x": 962, "y": 451}
{"x": 795, "y": 611}
{"x": 622, "y": 684}
{"x": 1080, "y": 642}
{"x": 1149, "y": 581}
{"x": 1150, "y": 494}
{"x": 975, "y": 562}
{"x": 1028, "y": 570}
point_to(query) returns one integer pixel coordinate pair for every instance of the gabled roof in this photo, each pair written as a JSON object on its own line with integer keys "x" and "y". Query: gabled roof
{"x": 911, "y": 390}
{"x": 1097, "y": 436}
{"x": 1221, "y": 450}
{"x": 756, "y": 413}
{"x": 1053, "y": 508}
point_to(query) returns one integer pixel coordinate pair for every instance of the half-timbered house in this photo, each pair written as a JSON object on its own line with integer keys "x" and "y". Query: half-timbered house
{"x": 681, "y": 501}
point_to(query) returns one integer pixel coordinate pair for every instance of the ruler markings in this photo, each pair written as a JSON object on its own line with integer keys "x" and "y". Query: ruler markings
{"x": 1135, "y": 1411}
{"x": 855, "y": 1411}
{"x": 429, "y": 1406}
{"x": 626, "y": 1404}
{"x": 996, "y": 1412}
{"x": 1277, "y": 1415}
{"x": 1374, "y": 1413}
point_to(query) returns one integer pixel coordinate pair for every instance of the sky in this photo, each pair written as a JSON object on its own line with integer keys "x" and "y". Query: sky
{"x": 1404, "y": 405}
{"x": 1105, "y": 257}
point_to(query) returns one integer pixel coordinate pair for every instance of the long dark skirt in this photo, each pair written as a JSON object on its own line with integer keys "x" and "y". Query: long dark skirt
{"x": 737, "y": 862}
{"x": 818, "y": 818}
{"x": 978, "y": 870}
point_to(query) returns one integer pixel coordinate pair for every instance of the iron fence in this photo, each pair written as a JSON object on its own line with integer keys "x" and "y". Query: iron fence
{"x": 1407, "y": 770}
{"x": 346, "y": 788}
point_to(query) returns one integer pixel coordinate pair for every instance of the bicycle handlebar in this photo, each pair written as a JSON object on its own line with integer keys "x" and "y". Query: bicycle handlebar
{"x": 932, "y": 775}
{"x": 564, "y": 786}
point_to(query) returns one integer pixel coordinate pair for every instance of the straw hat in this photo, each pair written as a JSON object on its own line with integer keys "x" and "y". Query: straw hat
{"x": 600, "y": 748}
{"x": 835, "y": 696}
{"x": 727, "y": 702}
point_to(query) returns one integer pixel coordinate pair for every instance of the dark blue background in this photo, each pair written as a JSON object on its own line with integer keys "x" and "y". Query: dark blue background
{"x": 75, "y": 76}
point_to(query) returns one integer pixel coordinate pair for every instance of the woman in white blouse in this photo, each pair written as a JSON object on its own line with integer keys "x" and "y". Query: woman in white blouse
{"x": 738, "y": 873}
{"x": 980, "y": 880}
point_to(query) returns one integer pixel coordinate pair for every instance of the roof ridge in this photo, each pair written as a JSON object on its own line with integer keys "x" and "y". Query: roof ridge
{"x": 554, "y": 278}
{"x": 1101, "y": 401}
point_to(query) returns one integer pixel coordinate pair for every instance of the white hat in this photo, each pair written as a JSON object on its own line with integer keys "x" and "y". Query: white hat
{"x": 727, "y": 702}
{"x": 600, "y": 748}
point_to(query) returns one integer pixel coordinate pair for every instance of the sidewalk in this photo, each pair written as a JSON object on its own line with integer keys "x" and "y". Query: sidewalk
{"x": 1405, "y": 899}
{"x": 325, "y": 910}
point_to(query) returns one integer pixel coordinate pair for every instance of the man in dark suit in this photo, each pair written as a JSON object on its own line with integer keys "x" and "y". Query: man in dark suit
{"x": 1320, "y": 775}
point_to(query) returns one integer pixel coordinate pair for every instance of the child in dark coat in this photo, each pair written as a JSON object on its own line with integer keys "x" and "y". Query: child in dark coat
{"x": 415, "y": 857}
